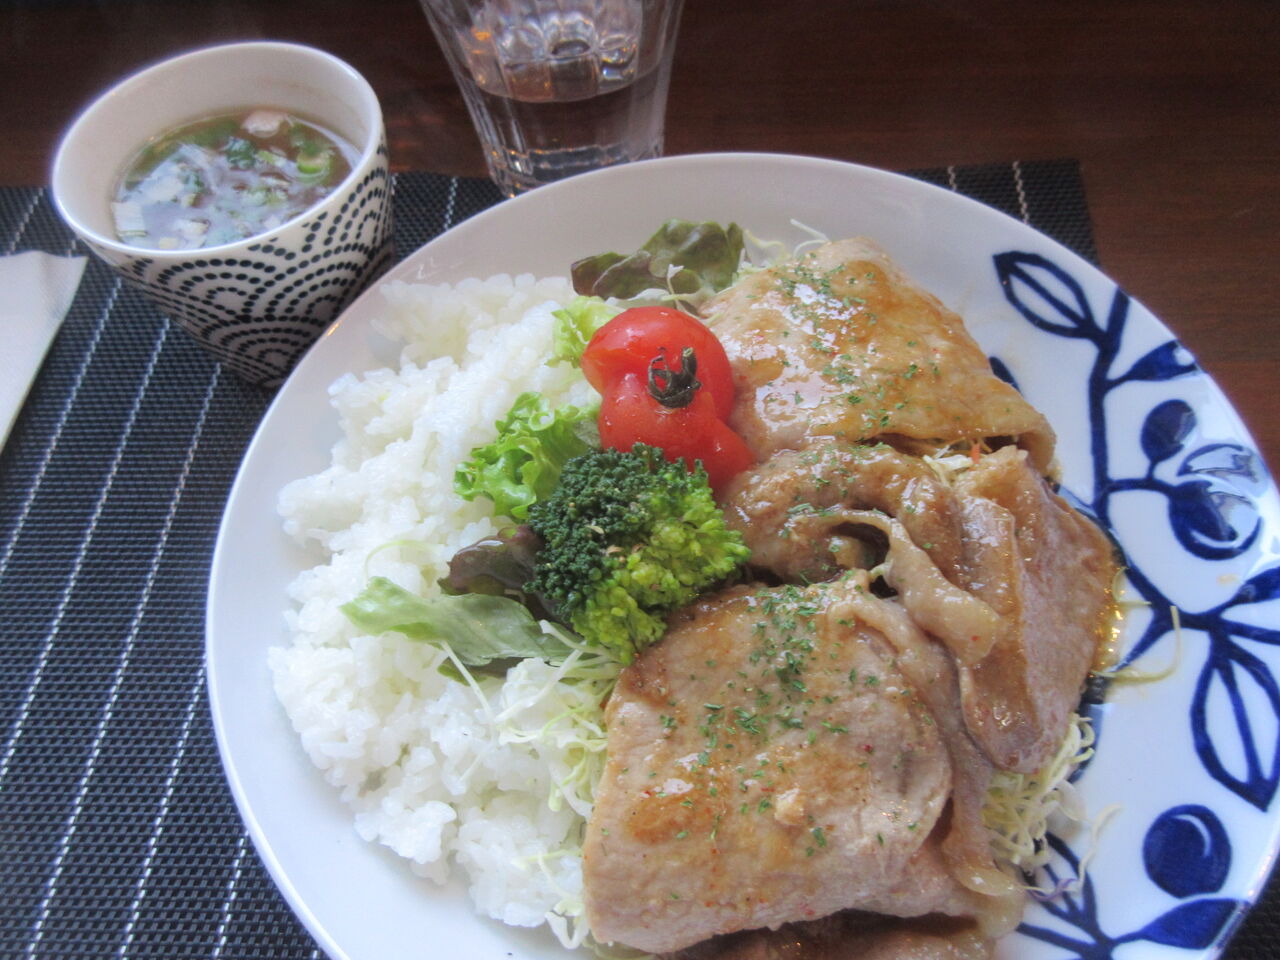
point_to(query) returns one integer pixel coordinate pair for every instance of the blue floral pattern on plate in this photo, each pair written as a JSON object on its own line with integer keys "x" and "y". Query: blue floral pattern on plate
{"x": 1210, "y": 495}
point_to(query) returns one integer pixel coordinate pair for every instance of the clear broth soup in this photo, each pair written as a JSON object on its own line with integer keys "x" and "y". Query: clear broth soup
{"x": 225, "y": 178}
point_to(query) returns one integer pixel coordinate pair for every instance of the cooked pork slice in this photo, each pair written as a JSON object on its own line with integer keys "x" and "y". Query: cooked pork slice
{"x": 807, "y": 483}
{"x": 852, "y": 935}
{"x": 961, "y": 845}
{"x": 1048, "y": 572}
{"x": 1015, "y": 582}
{"x": 839, "y": 343}
{"x": 767, "y": 763}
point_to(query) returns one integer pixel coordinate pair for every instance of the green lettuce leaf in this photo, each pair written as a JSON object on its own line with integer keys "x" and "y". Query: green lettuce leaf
{"x": 706, "y": 256}
{"x": 523, "y": 463}
{"x": 575, "y": 325}
{"x": 479, "y": 628}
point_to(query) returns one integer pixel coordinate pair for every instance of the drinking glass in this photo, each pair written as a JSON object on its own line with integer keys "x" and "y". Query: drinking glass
{"x": 560, "y": 87}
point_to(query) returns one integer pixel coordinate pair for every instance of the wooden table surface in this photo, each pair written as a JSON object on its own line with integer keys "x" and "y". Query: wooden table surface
{"x": 1172, "y": 108}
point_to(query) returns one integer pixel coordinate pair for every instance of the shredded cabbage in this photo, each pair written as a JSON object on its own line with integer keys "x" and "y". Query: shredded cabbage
{"x": 1019, "y": 805}
{"x": 560, "y": 716}
{"x": 949, "y": 466}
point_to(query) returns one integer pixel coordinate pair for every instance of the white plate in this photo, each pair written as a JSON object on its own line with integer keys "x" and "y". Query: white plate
{"x": 1145, "y": 438}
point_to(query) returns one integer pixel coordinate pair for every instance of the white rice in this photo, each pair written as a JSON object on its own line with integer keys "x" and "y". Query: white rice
{"x": 445, "y": 774}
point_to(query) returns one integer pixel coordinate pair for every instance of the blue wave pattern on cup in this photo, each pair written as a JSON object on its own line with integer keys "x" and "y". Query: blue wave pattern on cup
{"x": 1212, "y": 492}
{"x": 259, "y": 311}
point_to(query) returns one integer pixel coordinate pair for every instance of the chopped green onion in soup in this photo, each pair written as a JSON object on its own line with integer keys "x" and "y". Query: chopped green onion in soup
{"x": 225, "y": 178}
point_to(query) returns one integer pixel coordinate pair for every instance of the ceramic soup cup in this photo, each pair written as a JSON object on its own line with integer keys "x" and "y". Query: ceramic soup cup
{"x": 258, "y": 303}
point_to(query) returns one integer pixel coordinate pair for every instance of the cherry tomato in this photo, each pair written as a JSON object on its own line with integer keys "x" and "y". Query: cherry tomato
{"x": 629, "y": 414}
{"x": 630, "y": 341}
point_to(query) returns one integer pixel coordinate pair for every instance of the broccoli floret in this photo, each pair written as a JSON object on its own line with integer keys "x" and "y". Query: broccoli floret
{"x": 629, "y": 537}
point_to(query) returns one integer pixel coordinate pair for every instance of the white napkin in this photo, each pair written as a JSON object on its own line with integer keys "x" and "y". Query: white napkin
{"x": 36, "y": 290}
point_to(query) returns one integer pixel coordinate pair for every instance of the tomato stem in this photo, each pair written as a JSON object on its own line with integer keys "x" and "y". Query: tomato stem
{"x": 674, "y": 388}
